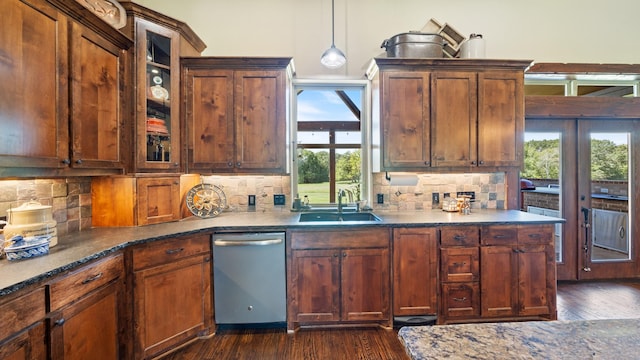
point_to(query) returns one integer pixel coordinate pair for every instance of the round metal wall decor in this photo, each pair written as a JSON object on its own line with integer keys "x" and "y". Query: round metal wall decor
{"x": 206, "y": 200}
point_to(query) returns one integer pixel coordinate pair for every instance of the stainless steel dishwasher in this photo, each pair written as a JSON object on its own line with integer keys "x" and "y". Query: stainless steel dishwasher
{"x": 249, "y": 278}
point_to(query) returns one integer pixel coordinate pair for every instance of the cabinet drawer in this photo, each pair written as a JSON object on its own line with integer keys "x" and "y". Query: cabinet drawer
{"x": 84, "y": 280}
{"x": 21, "y": 312}
{"x": 357, "y": 238}
{"x": 460, "y": 236}
{"x": 162, "y": 252}
{"x": 499, "y": 235}
{"x": 535, "y": 234}
{"x": 461, "y": 300}
{"x": 459, "y": 264}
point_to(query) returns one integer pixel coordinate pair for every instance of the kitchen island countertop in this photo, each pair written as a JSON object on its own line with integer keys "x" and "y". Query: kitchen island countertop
{"x": 81, "y": 247}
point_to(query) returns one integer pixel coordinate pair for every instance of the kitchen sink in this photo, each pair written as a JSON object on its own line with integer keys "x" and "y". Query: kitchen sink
{"x": 337, "y": 217}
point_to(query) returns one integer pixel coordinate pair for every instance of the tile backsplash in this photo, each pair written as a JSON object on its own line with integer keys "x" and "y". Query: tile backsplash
{"x": 70, "y": 198}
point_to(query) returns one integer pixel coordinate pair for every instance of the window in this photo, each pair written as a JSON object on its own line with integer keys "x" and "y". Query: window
{"x": 331, "y": 149}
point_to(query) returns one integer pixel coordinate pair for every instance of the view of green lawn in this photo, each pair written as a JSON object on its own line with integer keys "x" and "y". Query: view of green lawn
{"x": 318, "y": 193}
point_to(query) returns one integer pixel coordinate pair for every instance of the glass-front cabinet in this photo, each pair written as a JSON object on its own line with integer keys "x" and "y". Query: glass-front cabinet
{"x": 157, "y": 125}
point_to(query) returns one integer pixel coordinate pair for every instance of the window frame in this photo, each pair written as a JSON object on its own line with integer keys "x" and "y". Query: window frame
{"x": 365, "y": 127}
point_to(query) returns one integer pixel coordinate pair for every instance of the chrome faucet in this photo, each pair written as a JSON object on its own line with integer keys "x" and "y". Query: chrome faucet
{"x": 341, "y": 193}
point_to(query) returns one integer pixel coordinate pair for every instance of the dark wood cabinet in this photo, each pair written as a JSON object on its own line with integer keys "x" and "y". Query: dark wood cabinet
{"x": 172, "y": 294}
{"x": 439, "y": 114}
{"x": 337, "y": 277}
{"x": 459, "y": 272}
{"x": 22, "y": 334}
{"x": 236, "y": 114}
{"x": 415, "y": 266}
{"x": 63, "y": 94}
{"x": 160, "y": 41}
{"x": 87, "y": 312}
{"x": 518, "y": 271}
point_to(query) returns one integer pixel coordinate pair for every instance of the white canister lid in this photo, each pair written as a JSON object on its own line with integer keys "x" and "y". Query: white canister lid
{"x": 29, "y": 213}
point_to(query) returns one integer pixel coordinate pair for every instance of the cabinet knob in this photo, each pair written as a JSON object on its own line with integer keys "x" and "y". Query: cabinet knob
{"x": 79, "y": 161}
{"x": 473, "y": 162}
{"x": 66, "y": 161}
{"x": 481, "y": 162}
{"x": 428, "y": 163}
{"x": 344, "y": 254}
{"x": 238, "y": 164}
{"x": 230, "y": 164}
{"x": 59, "y": 322}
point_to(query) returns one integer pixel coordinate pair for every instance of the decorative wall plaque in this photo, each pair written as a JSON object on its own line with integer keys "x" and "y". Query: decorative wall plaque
{"x": 109, "y": 10}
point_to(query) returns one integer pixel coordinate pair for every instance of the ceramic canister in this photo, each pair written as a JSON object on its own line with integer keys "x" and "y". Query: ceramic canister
{"x": 473, "y": 48}
{"x": 31, "y": 219}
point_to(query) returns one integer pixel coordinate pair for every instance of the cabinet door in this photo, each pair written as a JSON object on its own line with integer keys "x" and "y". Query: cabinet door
{"x": 406, "y": 120}
{"x": 157, "y": 97}
{"x": 498, "y": 281}
{"x": 172, "y": 304}
{"x": 414, "y": 271}
{"x": 209, "y": 119}
{"x": 314, "y": 286}
{"x": 27, "y": 345}
{"x": 96, "y": 87}
{"x": 454, "y": 119}
{"x": 260, "y": 121}
{"x": 34, "y": 72}
{"x": 536, "y": 285}
{"x": 158, "y": 200}
{"x": 88, "y": 329}
{"x": 459, "y": 264}
{"x": 461, "y": 300}
{"x": 500, "y": 118}
{"x": 365, "y": 284}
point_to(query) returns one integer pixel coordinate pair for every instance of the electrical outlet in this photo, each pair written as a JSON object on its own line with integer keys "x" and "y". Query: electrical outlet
{"x": 380, "y": 199}
{"x": 251, "y": 200}
{"x": 278, "y": 199}
{"x": 435, "y": 198}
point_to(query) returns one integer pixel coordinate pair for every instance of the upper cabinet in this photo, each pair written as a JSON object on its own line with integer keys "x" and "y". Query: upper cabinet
{"x": 451, "y": 113}
{"x": 63, "y": 95}
{"x": 159, "y": 43}
{"x": 236, "y": 114}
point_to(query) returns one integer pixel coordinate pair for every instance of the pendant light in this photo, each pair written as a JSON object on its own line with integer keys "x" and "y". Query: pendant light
{"x": 333, "y": 58}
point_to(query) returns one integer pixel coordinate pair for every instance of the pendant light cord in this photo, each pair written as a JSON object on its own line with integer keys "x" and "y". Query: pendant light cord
{"x": 333, "y": 24}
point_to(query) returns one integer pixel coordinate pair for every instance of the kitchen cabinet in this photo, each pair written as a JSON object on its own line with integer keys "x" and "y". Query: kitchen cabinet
{"x": 87, "y": 312}
{"x": 517, "y": 265}
{"x": 22, "y": 334}
{"x": 439, "y": 114}
{"x": 135, "y": 200}
{"x": 172, "y": 294}
{"x": 236, "y": 114}
{"x": 336, "y": 277}
{"x": 160, "y": 41}
{"x": 63, "y": 94}
{"x": 459, "y": 272}
{"x": 415, "y": 271}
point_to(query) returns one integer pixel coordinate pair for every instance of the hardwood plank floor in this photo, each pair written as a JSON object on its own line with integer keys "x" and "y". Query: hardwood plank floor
{"x": 576, "y": 301}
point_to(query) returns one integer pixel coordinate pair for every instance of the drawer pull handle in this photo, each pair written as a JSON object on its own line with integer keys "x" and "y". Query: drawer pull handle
{"x": 459, "y": 237}
{"x": 174, "y": 251}
{"x": 460, "y": 299}
{"x": 59, "y": 322}
{"x": 459, "y": 263}
{"x": 534, "y": 236}
{"x": 499, "y": 236}
{"x": 92, "y": 278}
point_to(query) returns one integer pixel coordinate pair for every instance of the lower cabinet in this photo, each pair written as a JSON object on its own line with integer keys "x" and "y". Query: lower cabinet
{"x": 172, "y": 296}
{"x": 338, "y": 277}
{"x": 86, "y": 312}
{"x": 22, "y": 329}
{"x": 415, "y": 266}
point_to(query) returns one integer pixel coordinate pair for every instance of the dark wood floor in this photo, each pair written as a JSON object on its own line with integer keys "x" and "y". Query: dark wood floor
{"x": 576, "y": 301}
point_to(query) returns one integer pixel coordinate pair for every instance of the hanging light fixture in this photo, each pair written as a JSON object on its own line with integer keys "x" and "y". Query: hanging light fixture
{"x": 333, "y": 58}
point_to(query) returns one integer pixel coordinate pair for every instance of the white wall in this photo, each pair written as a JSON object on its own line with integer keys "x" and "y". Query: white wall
{"x": 586, "y": 31}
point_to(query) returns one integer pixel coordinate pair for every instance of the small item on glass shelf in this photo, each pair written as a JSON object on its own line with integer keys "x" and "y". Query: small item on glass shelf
{"x": 159, "y": 93}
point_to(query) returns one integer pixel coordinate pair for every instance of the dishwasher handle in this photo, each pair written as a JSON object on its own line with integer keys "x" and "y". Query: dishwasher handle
{"x": 223, "y": 242}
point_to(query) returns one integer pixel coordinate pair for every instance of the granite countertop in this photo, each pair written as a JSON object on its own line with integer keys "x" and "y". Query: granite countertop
{"x": 78, "y": 248}
{"x": 588, "y": 339}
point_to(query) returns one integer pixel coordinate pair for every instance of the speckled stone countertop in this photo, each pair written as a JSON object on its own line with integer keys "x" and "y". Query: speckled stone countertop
{"x": 591, "y": 339}
{"x": 78, "y": 248}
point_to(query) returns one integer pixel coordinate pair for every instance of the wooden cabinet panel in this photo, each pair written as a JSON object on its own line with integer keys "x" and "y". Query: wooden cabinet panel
{"x": 87, "y": 318}
{"x": 34, "y": 71}
{"x": 315, "y": 286}
{"x": 460, "y": 236}
{"x": 158, "y": 200}
{"x": 459, "y": 264}
{"x": 172, "y": 294}
{"x": 236, "y": 114}
{"x": 365, "y": 284}
{"x": 96, "y": 89}
{"x": 414, "y": 271}
{"x": 534, "y": 265}
{"x": 406, "y": 125}
{"x": 499, "y": 281}
{"x": 330, "y": 283}
{"x": 26, "y": 345}
{"x": 454, "y": 114}
{"x": 461, "y": 300}
{"x": 500, "y": 118}
{"x": 22, "y": 334}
